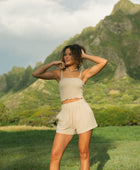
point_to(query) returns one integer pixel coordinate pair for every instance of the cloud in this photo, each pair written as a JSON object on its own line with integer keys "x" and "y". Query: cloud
{"x": 23, "y": 17}
{"x": 31, "y": 30}
{"x": 28, "y": 19}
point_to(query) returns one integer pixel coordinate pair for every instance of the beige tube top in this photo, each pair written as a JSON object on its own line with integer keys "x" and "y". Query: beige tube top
{"x": 70, "y": 88}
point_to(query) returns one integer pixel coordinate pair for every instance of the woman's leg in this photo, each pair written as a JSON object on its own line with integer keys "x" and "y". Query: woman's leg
{"x": 60, "y": 143}
{"x": 84, "y": 143}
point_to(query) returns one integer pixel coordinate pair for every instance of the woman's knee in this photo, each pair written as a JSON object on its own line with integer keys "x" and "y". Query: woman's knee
{"x": 84, "y": 154}
{"x": 55, "y": 156}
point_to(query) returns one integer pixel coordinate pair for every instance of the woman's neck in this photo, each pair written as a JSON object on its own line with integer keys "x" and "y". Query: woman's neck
{"x": 71, "y": 68}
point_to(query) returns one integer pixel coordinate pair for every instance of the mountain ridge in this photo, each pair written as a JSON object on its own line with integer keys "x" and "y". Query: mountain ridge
{"x": 112, "y": 38}
{"x": 126, "y": 7}
{"x": 116, "y": 38}
{"x": 119, "y": 25}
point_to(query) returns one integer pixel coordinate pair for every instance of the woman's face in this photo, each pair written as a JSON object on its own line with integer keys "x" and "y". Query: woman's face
{"x": 68, "y": 57}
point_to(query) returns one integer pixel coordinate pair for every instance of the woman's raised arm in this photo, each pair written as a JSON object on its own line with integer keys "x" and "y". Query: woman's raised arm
{"x": 44, "y": 74}
{"x": 101, "y": 62}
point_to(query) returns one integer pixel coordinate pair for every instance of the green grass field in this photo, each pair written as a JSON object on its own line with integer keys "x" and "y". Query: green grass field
{"x": 112, "y": 148}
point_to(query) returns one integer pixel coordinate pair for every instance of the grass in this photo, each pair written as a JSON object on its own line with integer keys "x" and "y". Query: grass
{"x": 112, "y": 148}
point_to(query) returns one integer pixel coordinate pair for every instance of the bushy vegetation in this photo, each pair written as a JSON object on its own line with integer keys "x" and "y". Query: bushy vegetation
{"x": 33, "y": 117}
{"x": 116, "y": 116}
{"x": 16, "y": 79}
{"x": 111, "y": 116}
{"x": 25, "y": 80}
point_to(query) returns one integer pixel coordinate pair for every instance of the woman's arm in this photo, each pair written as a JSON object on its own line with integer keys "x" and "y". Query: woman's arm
{"x": 101, "y": 62}
{"x": 44, "y": 74}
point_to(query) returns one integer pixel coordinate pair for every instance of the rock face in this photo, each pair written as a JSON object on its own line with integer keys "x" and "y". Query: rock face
{"x": 118, "y": 27}
{"x": 120, "y": 71}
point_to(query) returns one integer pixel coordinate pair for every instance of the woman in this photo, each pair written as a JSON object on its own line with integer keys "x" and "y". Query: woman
{"x": 76, "y": 115}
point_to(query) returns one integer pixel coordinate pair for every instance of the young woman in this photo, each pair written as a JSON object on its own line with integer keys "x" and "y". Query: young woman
{"x": 76, "y": 115}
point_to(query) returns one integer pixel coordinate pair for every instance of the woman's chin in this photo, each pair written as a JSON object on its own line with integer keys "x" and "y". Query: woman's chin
{"x": 67, "y": 64}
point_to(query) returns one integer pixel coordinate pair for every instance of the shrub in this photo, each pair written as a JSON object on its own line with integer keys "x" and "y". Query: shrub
{"x": 115, "y": 116}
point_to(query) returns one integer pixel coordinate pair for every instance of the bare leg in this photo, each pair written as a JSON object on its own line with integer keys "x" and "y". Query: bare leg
{"x": 84, "y": 143}
{"x": 60, "y": 143}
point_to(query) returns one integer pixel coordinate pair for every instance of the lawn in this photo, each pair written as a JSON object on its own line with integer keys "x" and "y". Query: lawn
{"x": 112, "y": 148}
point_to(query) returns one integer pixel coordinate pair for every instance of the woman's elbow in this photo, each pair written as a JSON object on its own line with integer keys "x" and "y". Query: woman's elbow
{"x": 105, "y": 61}
{"x": 34, "y": 75}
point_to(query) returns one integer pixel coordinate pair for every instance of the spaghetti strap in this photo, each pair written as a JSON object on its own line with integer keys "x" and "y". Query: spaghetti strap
{"x": 80, "y": 75}
{"x": 61, "y": 74}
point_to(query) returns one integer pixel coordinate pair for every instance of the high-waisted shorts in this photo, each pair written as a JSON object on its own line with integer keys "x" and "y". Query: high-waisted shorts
{"x": 75, "y": 117}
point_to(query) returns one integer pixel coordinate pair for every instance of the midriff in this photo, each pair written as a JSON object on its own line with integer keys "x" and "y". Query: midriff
{"x": 70, "y": 100}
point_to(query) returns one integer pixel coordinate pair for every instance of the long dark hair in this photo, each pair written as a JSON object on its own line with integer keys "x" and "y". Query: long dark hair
{"x": 76, "y": 52}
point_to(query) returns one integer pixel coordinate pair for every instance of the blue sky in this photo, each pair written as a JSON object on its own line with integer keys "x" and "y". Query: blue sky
{"x": 31, "y": 30}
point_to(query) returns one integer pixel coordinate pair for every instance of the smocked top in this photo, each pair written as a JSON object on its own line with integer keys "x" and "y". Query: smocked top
{"x": 70, "y": 87}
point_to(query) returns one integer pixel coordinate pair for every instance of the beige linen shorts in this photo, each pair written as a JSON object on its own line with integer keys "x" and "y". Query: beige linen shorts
{"x": 75, "y": 118}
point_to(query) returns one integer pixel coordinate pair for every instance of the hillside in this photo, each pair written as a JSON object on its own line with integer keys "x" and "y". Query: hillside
{"x": 116, "y": 38}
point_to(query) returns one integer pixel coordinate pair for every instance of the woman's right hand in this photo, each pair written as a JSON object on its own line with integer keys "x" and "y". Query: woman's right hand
{"x": 59, "y": 64}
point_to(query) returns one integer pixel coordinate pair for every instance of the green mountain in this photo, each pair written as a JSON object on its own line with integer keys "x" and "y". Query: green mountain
{"x": 16, "y": 79}
{"x": 116, "y": 38}
{"x": 126, "y": 7}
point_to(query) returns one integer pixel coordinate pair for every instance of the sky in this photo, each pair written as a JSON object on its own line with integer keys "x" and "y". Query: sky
{"x": 31, "y": 29}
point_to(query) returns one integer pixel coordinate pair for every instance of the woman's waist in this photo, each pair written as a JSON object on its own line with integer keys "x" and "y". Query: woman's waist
{"x": 71, "y": 100}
